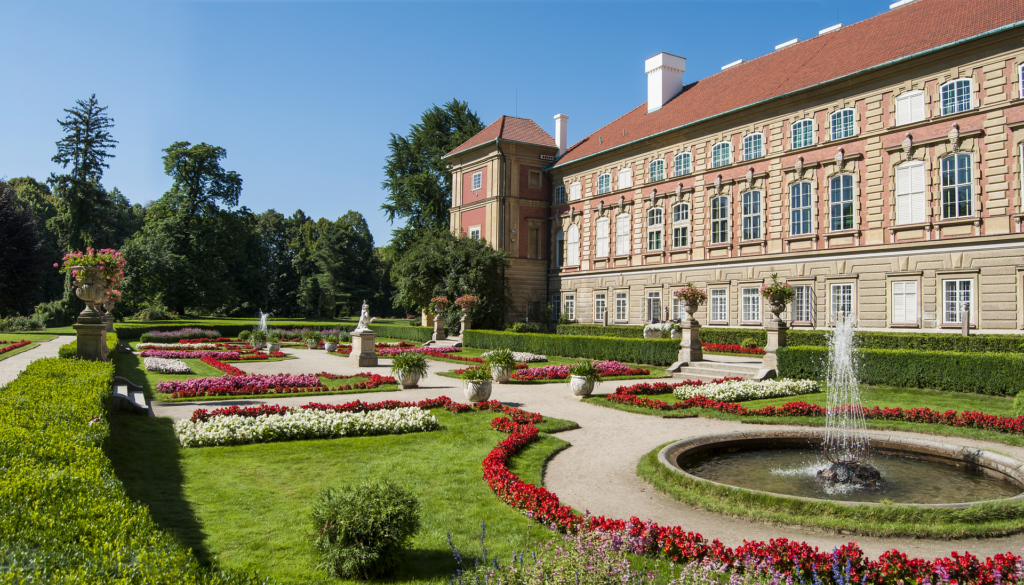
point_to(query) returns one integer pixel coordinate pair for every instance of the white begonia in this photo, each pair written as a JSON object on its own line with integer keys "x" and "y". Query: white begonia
{"x": 302, "y": 424}
{"x": 740, "y": 390}
{"x": 523, "y": 357}
{"x": 166, "y": 366}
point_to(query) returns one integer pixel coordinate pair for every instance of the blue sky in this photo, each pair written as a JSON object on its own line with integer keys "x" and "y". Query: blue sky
{"x": 304, "y": 95}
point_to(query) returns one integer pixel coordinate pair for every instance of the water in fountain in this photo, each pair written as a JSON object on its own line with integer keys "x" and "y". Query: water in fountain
{"x": 846, "y": 443}
{"x": 263, "y": 320}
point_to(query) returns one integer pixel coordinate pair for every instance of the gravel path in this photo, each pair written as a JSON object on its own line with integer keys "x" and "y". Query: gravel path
{"x": 14, "y": 365}
{"x": 598, "y": 472}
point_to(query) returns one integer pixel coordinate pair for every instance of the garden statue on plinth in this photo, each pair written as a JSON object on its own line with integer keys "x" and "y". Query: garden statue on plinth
{"x": 689, "y": 345}
{"x": 98, "y": 275}
{"x": 777, "y": 294}
{"x": 439, "y": 304}
{"x": 466, "y": 303}
{"x": 364, "y": 350}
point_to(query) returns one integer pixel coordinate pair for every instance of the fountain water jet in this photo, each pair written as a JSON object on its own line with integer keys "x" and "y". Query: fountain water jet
{"x": 263, "y": 320}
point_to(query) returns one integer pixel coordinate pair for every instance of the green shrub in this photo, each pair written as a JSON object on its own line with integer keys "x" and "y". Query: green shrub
{"x": 33, "y": 323}
{"x": 156, "y": 311}
{"x": 1018, "y": 404}
{"x": 627, "y": 331}
{"x": 749, "y": 343}
{"x": 521, "y": 327}
{"x": 984, "y": 373}
{"x": 70, "y": 350}
{"x": 360, "y": 531}
{"x": 405, "y": 332}
{"x": 244, "y": 334}
{"x": 656, "y": 352}
{"x": 67, "y": 517}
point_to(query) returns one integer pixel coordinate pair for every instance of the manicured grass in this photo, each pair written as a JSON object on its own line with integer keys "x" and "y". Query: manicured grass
{"x": 656, "y": 372}
{"x": 130, "y": 366}
{"x": 892, "y": 520}
{"x": 247, "y": 505}
{"x": 15, "y": 352}
{"x": 19, "y": 335}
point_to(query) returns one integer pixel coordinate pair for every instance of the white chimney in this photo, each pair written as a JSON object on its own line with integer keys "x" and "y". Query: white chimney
{"x": 561, "y": 122}
{"x": 664, "y": 79}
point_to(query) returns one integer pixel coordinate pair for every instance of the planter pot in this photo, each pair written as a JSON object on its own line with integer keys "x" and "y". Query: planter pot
{"x": 257, "y": 345}
{"x": 477, "y": 391}
{"x": 501, "y": 374}
{"x": 312, "y": 344}
{"x": 331, "y": 346}
{"x": 677, "y": 334}
{"x": 407, "y": 379}
{"x": 91, "y": 288}
{"x": 273, "y": 347}
{"x": 652, "y": 334}
{"x": 691, "y": 310}
{"x": 777, "y": 307}
{"x": 580, "y": 386}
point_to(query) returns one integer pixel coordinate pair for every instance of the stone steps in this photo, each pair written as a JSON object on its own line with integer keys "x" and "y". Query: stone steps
{"x": 708, "y": 371}
{"x": 128, "y": 397}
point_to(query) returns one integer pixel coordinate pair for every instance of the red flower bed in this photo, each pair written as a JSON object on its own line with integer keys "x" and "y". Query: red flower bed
{"x": 207, "y": 340}
{"x": 373, "y": 380}
{"x": 226, "y": 368}
{"x": 16, "y": 345}
{"x": 731, "y": 348}
{"x": 257, "y": 356}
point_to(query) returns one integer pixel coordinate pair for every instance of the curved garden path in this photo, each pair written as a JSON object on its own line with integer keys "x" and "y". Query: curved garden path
{"x": 597, "y": 473}
{"x": 11, "y": 367}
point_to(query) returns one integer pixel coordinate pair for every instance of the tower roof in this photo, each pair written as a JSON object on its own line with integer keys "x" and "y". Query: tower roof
{"x": 508, "y": 128}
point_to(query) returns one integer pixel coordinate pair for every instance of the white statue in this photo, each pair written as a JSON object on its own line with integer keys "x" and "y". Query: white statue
{"x": 364, "y": 319}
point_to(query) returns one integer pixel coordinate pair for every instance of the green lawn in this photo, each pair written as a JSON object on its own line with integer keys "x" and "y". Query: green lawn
{"x": 656, "y": 372}
{"x": 246, "y": 506}
{"x": 16, "y": 336}
{"x": 15, "y": 352}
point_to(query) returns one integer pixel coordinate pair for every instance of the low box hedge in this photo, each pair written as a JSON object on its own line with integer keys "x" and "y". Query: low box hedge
{"x": 406, "y": 332}
{"x": 626, "y": 331}
{"x": 70, "y": 350}
{"x": 66, "y": 516}
{"x": 655, "y": 352}
{"x": 983, "y": 373}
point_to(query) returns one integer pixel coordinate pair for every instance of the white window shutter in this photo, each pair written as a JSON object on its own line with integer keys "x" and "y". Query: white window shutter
{"x": 903, "y": 107}
{"x": 910, "y": 296}
{"x": 903, "y": 189}
{"x": 917, "y": 190}
{"x": 899, "y": 314}
{"x": 917, "y": 107}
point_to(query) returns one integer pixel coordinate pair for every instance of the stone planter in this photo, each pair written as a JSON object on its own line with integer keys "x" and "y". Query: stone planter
{"x": 677, "y": 334}
{"x": 652, "y": 334}
{"x": 90, "y": 287}
{"x": 331, "y": 346}
{"x": 580, "y": 386}
{"x": 477, "y": 391}
{"x": 691, "y": 310}
{"x": 501, "y": 375}
{"x": 777, "y": 307}
{"x": 312, "y": 344}
{"x": 273, "y": 347}
{"x": 407, "y": 379}
{"x": 257, "y": 345}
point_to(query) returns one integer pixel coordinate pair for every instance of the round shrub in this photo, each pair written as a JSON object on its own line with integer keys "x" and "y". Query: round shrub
{"x": 360, "y": 531}
{"x": 244, "y": 334}
{"x": 1018, "y": 404}
{"x": 748, "y": 343}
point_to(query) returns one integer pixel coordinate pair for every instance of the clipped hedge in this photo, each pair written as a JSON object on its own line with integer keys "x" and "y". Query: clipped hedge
{"x": 67, "y": 517}
{"x": 625, "y": 331}
{"x": 70, "y": 350}
{"x": 406, "y": 332}
{"x": 983, "y": 373}
{"x": 655, "y": 352}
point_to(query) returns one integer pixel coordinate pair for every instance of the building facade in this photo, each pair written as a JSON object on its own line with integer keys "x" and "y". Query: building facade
{"x": 876, "y": 167}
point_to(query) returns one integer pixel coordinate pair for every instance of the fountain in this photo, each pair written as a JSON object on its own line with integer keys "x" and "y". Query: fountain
{"x": 263, "y": 321}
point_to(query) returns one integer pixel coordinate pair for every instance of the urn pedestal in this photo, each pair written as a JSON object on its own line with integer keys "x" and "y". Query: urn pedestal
{"x": 108, "y": 318}
{"x": 690, "y": 350}
{"x": 90, "y": 327}
{"x": 466, "y": 321}
{"x": 776, "y": 331}
{"x": 439, "y": 334}
{"x": 364, "y": 353}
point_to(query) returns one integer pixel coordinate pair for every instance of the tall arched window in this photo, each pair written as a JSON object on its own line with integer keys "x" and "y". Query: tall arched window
{"x": 753, "y": 146}
{"x": 721, "y": 154}
{"x": 657, "y": 171}
{"x": 957, "y": 186}
{"x": 841, "y": 203}
{"x": 803, "y": 133}
{"x": 752, "y": 215}
{"x": 720, "y": 220}
{"x": 800, "y": 208}
{"x": 956, "y": 96}
{"x": 604, "y": 183}
{"x": 842, "y": 124}
{"x": 559, "y": 248}
{"x": 622, "y": 234}
{"x": 682, "y": 164}
{"x": 601, "y": 229}
{"x": 655, "y": 230}
{"x": 680, "y": 225}
{"x": 573, "y": 246}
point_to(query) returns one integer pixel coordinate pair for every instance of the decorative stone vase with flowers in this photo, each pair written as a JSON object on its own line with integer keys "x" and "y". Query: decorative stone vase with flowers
{"x": 331, "y": 343}
{"x": 312, "y": 338}
{"x": 467, "y": 303}
{"x": 477, "y": 383}
{"x": 582, "y": 377}
{"x": 408, "y": 367}
{"x": 689, "y": 344}
{"x": 502, "y": 363}
{"x": 273, "y": 341}
{"x": 439, "y": 304}
{"x": 778, "y": 294}
{"x": 98, "y": 275}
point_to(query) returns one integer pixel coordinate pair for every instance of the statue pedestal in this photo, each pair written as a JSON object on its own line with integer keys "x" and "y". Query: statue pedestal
{"x": 690, "y": 350}
{"x": 91, "y": 339}
{"x": 109, "y": 320}
{"x": 439, "y": 334}
{"x": 776, "y": 330}
{"x": 363, "y": 351}
{"x": 466, "y": 322}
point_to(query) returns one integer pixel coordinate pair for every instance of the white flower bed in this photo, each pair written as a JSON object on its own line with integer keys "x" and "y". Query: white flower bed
{"x": 664, "y": 327}
{"x": 302, "y": 424}
{"x": 523, "y": 357}
{"x": 740, "y": 390}
{"x": 177, "y": 346}
{"x": 166, "y": 366}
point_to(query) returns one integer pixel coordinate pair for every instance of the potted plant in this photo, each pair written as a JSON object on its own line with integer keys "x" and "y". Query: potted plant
{"x": 331, "y": 343}
{"x": 466, "y": 302}
{"x": 692, "y": 297}
{"x": 258, "y": 339}
{"x": 677, "y": 331}
{"x": 312, "y": 338}
{"x": 656, "y": 330}
{"x": 582, "y": 376}
{"x": 273, "y": 341}
{"x": 439, "y": 304}
{"x": 477, "y": 383}
{"x": 778, "y": 294}
{"x": 408, "y": 367}
{"x": 502, "y": 364}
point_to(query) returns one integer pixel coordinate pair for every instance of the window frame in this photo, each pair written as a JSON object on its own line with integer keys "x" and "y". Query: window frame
{"x": 621, "y": 302}
{"x": 971, "y": 302}
{"x": 922, "y": 194}
{"x": 656, "y": 230}
{"x": 957, "y": 186}
{"x": 474, "y": 232}
{"x": 602, "y": 240}
{"x": 803, "y": 300}
{"x": 806, "y": 211}
{"x": 679, "y": 168}
{"x": 556, "y": 306}
{"x": 604, "y": 183}
{"x": 623, "y": 236}
{"x": 750, "y": 306}
{"x": 842, "y": 203}
{"x": 572, "y": 245}
{"x": 728, "y": 154}
{"x": 681, "y": 225}
{"x": 652, "y": 298}
{"x": 559, "y": 197}
{"x": 837, "y": 132}
{"x": 751, "y": 229}
{"x": 478, "y": 181}
{"x": 569, "y": 306}
{"x": 575, "y": 191}
{"x": 600, "y": 306}
{"x": 659, "y": 175}
{"x": 793, "y": 133}
{"x": 907, "y": 97}
{"x": 832, "y": 312}
{"x": 626, "y": 172}
{"x": 560, "y": 249}
{"x": 747, "y": 154}
{"x": 955, "y": 105}
{"x": 718, "y": 295}
{"x": 678, "y": 308}
{"x": 915, "y": 304}
{"x": 719, "y": 223}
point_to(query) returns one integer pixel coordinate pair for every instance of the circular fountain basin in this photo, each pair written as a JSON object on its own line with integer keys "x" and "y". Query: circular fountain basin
{"x": 785, "y": 463}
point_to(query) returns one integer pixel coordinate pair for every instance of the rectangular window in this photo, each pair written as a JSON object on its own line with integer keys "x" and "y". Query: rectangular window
{"x": 625, "y": 178}
{"x": 678, "y": 308}
{"x": 570, "y": 307}
{"x": 621, "y": 306}
{"x": 575, "y": 191}
{"x": 719, "y": 305}
{"x": 680, "y": 236}
{"x": 751, "y": 304}
{"x": 910, "y": 108}
{"x": 803, "y": 303}
{"x": 842, "y": 301}
{"x": 752, "y": 215}
{"x": 657, "y": 171}
{"x": 841, "y": 210}
{"x": 559, "y": 194}
{"x": 474, "y": 233}
{"x": 842, "y": 124}
{"x": 753, "y": 147}
{"x": 910, "y": 196}
{"x": 957, "y": 297}
{"x": 719, "y": 220}
{"x": 904, "y": 302}
{"x": 654, "y": 305}
{"x": 602, "y": 237}
{"x": 600, "y": 306}
{"x": 477, "y": 180}
{"x": 622, "y": 234}
{"x": 800, "y": 209}
{"x": 956, "y": 96}
{"x": 957, "y": 200}
{"x": 556, "y": 307}
{"x": 654, "y": 240}
{"x": 803, "y": 134}
{"x": 604, "y": 184}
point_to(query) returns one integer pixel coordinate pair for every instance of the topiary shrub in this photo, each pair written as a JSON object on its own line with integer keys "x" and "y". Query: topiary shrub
{"x": 748, "y": 343}
{"x": 360, "y": 531}
{"x": 244, "y": 334}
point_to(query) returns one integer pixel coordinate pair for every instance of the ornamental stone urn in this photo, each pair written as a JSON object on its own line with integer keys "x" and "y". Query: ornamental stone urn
{"x": 777, "y": 307}
{"x": 90, "y": 286}
{"x": 580, "y": 386}
{"x": 273, "y": 347}
{"x": 652, "y": 333}
{"x": 331, "y": 346}
{"x": 477, "y": 391}
{"x": 501, "y": 374}
{"x": 108, "y": 318}
{"x": 407, "y": 379}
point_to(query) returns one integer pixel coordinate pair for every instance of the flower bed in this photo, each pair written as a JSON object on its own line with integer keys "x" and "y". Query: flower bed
{"x": 191, "y": 333}
{"x": 731, "y": 348}
{"x": 740, "y": 390}
{"x": 427, "y": 350}
{"x": 241, "y": 385}
{"x": 372, "y": 380}
{"x": 226, "y": 368}
{"x": 211, "y": 340}
{"x": 522, "y": 356}
{"x": 14, "y": 345}
{"x": 176, "y": 346}
{"x": 604, "y": 369}
{"x": 166, "y": 366}
{"x": 243, "y": 355}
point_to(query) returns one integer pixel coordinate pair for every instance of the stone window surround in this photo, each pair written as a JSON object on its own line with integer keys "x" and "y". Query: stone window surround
{"x": 617, "y": 293}
{"x": 605, "y": 292}
{"x": 755, "y": 284}
{"x": 474, "y": 228}
{"x": 840, "y": 279}
{"x": 727, "y": 287}
{"x": 805, "y": 281}
{"x": 904, "y": 276}
{"x": 972, "y": 274}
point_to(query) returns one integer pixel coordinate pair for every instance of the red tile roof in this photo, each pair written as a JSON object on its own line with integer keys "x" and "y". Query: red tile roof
{"x": 508, "y": 128}
{"x": 904, "y": 31}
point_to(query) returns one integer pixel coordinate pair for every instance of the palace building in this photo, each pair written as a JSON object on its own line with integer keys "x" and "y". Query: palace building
{"x": 876, "y": 167}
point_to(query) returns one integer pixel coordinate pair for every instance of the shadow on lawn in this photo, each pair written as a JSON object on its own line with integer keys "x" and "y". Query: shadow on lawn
{"x": 147, "y": 460}
{"x": 130, "y": 367}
